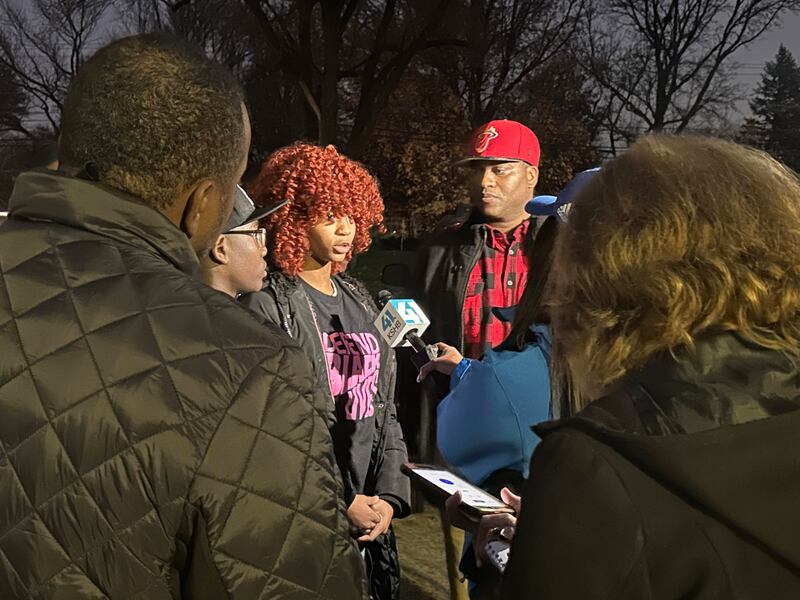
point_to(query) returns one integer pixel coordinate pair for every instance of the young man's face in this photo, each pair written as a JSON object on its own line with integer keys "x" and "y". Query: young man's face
{"x": 499, "y": 190}
{"x": 245, "y": 249}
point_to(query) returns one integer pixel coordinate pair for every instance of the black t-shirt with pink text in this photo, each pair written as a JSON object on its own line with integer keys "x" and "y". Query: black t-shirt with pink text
{"x": 352, "y": 348}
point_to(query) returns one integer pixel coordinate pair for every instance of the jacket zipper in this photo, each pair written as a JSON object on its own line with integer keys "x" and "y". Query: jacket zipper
{"x": 285, "y": 320}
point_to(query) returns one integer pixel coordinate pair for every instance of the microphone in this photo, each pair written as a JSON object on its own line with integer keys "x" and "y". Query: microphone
{"x": 401, "y": 322}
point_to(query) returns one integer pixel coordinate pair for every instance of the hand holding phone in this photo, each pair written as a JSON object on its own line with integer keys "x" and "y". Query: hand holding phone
{"x": 492, "y": 528}
{"x": 443, "y": 484}
{"x": 457, "y": 517}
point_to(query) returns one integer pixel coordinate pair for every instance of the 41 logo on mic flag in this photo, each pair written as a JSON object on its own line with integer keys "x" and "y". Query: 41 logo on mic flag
{"x": 409, "y": 311}
{"x": 397, "y": 318}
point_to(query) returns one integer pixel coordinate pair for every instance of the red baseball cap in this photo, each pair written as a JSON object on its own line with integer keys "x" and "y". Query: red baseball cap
{"x": 503, "y": 141}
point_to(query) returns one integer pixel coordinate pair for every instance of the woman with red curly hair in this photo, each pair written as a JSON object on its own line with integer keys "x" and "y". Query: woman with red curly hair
{"x": 333, "y": 203}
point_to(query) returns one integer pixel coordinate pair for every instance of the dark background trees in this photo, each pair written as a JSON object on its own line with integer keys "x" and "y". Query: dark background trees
{"x": 12, "y": 102}
{"x": 347, "y": 57}
{"x": 775, "y": 124}
{"x": 12, "y": 111}
{"x": 399, "y": 84}
{"x": 506, "y": 44}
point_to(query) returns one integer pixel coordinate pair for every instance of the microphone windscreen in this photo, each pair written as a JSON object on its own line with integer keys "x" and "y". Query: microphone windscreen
{"x": 382, "y": 298}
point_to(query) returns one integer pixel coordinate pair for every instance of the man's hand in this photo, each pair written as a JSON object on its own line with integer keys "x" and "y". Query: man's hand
{"x": 490, "y": 527}
{"x": 386, "y": 512}
{"x": 445, "y": 363}
{"x": 499, "y": 526}
{"x": 362, "y": 514}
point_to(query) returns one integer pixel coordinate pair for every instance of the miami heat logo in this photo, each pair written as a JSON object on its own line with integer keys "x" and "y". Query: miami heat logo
{"x": 483, "y": 138}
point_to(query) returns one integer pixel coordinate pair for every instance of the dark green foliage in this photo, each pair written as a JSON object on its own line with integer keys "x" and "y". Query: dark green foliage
{"x": 775, "y": 126}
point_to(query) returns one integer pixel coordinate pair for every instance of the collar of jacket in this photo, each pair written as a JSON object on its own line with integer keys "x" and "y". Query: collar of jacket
{"x": 721, "y": 380}
{"x": 476, "y": 221}
{"x": 42, "y": 195}
{"x": 537, "y": 333}
{"x": 286, "y": 286}
{"x": 474, "y": 229}
{"x": 466, "y": 217}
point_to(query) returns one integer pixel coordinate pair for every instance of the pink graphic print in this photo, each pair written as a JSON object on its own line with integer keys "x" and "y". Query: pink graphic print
{"x": 354, "y": 362}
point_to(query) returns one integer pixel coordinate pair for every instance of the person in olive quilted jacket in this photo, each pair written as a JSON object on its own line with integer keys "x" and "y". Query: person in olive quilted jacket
{"x": 157, "y": 440}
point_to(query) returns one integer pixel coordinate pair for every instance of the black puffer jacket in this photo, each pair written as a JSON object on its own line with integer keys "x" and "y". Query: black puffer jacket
{"x": 682, "y": 483}
{"x": 156, "y": 440}
{"x": 283, "y": 301}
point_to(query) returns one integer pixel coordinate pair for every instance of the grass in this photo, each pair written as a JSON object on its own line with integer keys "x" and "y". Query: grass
{"x": 423, "y": 571}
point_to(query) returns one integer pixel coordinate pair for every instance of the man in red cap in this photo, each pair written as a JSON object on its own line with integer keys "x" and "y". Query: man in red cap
{"x": 478, "y": 262}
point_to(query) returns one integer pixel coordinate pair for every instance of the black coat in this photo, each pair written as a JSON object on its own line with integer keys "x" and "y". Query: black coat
{"x": 284, "y": 302}
{"x": 684, "y": 482}
{"x": 443, "y": 266}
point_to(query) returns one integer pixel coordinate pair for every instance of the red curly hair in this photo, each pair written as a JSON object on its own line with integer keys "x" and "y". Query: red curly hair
{"x": 317, "y": 182}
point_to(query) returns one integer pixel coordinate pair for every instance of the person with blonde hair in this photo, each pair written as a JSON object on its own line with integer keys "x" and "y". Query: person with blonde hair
{"x": 675, "y": 309}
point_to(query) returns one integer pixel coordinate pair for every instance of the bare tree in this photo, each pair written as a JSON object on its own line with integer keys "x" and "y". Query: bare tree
{"x": 42, "y": 44}
{"x": 348, "y": 56}
{"x": 666, "y": 64}
{"x": 507, "y": 43}
{"x": 12, "y": 103}
{"x": 145, "y": 15}
{"x": 223, "y": 29}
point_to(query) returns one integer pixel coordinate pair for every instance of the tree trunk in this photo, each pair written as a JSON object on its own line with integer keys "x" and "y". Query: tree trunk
{"x": 304, "y": 72}
{"x": 329, "y": 103}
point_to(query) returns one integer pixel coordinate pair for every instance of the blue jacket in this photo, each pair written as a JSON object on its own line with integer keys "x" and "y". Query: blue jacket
{"x": 484, "y": 423}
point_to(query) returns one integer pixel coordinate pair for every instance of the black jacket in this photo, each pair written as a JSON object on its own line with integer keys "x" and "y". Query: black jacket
{"x": 684, "y": 482}
{"x": 443, "y": 266}
{"x": 283, "y": 301}
{"x": 157, "y": 440}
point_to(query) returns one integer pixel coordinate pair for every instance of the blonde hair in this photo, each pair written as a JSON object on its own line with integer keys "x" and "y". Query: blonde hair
{"x": 678, "y": 236}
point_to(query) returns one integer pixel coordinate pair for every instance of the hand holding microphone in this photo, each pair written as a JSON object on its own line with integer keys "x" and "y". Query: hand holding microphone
{"x": 445, "y": 363}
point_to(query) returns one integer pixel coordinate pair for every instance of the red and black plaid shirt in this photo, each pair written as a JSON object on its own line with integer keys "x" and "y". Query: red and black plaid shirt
{"x": 498, "y": 279}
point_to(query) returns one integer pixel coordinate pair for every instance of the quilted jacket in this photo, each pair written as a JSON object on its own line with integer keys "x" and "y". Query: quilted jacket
{"x": 156, "y": 439}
